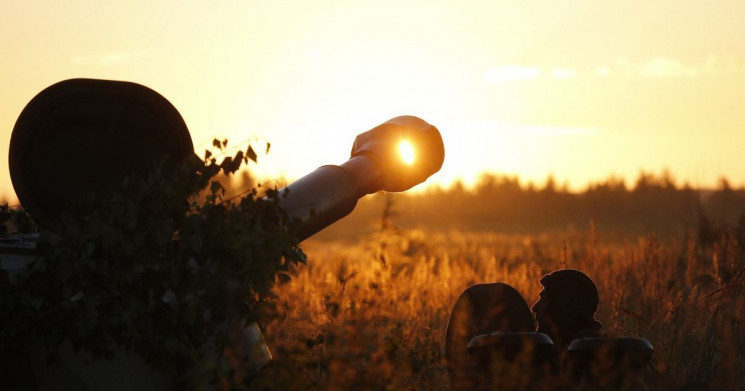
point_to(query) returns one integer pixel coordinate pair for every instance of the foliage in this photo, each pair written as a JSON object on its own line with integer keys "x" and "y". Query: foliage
{"x": 15, "y": 220}
{"x": 163, "y": 268}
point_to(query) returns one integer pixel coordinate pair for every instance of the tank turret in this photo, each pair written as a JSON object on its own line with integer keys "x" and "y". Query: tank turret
{"x": 83, "y": 137}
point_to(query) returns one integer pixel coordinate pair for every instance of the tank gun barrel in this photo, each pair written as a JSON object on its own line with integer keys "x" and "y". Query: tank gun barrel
{"x": 394, "y": 156}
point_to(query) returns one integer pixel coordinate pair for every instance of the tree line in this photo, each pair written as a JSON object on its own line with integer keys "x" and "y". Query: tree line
{"x": 654, "y": 204}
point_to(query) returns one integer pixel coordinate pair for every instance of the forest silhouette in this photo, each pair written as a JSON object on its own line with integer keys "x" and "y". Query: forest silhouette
{"x": 655, "y": 204}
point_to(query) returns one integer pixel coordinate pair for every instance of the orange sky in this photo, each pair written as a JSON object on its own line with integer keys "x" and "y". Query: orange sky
{"x": 580, "y": 90}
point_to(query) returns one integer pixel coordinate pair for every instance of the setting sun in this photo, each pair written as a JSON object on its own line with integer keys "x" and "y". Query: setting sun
{"x": 406, "y": 150}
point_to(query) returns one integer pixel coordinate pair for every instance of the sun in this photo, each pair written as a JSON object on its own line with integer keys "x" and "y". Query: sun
{"x": 406, "y": 151}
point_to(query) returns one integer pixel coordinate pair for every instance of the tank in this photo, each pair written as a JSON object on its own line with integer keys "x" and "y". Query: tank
{"x": 82, "y": 137}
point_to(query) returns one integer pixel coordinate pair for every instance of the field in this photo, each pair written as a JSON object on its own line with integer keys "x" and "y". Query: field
{"x": 372, "y": 313}
{"x": 370, "y": 308}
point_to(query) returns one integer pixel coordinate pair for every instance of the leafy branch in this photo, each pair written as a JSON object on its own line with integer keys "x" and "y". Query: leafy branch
{"x": 159, "y": 268}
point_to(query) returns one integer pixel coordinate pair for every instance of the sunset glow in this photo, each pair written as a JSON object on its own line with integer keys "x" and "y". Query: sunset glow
{"x": 368, "y": 194}
{"x": 526, "y": 89}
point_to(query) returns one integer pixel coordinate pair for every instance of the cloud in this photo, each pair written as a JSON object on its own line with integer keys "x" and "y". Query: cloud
{"x": 660, "y": 67}
{"x": 725, "y": 63}
{"x": 665, "y": 67}
{"x": 543, "y": 130}
{"x": 603, "y": 71}
{"x": 671, "y": 68}
{"x": 563, "y": 73}
{"x": 511, "y": 73}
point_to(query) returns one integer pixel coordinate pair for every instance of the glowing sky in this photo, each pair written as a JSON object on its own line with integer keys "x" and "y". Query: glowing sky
{"x": 579, "y": 89}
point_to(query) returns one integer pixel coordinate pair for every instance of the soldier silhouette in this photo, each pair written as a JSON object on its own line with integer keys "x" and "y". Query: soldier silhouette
{"x": 492, "y": 322}
{"x": 566, "y": 307}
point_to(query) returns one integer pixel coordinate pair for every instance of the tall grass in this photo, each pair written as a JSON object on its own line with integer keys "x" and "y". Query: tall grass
{"x": 373, "y": 315}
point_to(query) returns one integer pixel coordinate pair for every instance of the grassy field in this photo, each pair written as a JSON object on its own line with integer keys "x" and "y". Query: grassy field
{"x": 373, "y": 314}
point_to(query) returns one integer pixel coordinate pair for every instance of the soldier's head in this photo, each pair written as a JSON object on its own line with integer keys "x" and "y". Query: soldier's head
{"x": 566, "y": 307}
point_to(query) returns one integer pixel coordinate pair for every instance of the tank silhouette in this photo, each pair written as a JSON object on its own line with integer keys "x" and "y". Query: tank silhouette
{"x": 126, "y": 128}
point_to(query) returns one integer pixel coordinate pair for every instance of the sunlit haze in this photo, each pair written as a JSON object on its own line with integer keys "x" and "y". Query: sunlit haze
{"x": 580, "y": 90}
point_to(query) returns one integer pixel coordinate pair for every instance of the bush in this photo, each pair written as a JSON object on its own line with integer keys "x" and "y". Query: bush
{"x": 157, "y": 269}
